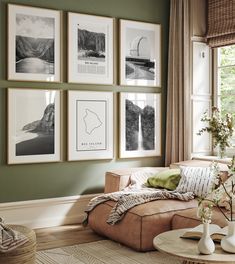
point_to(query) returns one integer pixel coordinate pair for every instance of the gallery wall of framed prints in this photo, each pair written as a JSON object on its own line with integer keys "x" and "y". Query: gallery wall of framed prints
{"x": 34, "y": 44}
{"x": 34, "y": 115}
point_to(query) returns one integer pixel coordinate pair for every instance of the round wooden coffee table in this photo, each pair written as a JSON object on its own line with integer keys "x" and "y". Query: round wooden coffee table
{"x": 186, "y": 249}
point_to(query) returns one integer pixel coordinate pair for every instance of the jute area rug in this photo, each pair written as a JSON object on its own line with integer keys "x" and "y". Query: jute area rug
{"x": 101, "y": 252}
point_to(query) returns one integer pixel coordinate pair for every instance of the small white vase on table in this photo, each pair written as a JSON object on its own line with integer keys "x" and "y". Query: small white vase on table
{"x": 206, "y": 245}
{"x": 228, "y": 242}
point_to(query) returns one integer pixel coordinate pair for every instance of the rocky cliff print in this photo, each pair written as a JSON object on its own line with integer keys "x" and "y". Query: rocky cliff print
{"x": 91, "y": 45}
{"x": 38, "y": 136}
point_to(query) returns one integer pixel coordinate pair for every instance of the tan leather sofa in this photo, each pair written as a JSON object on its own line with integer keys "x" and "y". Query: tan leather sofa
{"x": 143, "y": 222}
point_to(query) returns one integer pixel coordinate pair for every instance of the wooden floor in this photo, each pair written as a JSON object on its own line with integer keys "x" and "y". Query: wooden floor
{"x": 62, "y": 236}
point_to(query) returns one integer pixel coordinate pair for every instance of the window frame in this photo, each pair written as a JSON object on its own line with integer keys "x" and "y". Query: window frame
{"x": 230, "y": 151}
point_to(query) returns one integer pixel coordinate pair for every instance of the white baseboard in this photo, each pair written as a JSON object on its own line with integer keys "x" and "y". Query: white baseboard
{"x": 46, "y": 212}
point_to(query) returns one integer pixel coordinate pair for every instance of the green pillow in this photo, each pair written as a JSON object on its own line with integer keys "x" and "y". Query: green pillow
{"x": 167, "y": 179}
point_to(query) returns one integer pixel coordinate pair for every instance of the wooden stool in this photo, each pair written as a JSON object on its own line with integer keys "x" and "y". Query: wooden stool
{"x": 24, "y": 254}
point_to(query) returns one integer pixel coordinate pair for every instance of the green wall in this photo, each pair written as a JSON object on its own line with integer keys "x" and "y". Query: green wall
{"x": 36, "y": 181}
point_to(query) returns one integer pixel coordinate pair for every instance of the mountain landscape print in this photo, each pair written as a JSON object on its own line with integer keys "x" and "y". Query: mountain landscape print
{"x": 34, "y": 42}
{"x": 91, "y": 44}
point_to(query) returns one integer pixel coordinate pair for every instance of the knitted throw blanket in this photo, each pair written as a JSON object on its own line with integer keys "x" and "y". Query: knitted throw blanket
{"x": 126, "y": 200}
{"x": 9, "y": 238}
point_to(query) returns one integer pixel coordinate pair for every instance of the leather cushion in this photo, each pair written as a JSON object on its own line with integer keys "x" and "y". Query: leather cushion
{"x": 140, "y": 224}
{"x": 189, "y": 219}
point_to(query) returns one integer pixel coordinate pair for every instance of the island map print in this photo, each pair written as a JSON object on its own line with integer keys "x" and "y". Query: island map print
{"x": 91, "y": 125}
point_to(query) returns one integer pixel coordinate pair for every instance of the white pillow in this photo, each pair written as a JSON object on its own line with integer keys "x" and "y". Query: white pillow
{"x": 198, "y": 180}
{"x": 139, "y": 178}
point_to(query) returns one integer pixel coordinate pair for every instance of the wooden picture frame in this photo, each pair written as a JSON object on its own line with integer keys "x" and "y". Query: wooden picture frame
{"x": 90, "y": 49}
{"x": 140, "y": 125}
{"x": 90, "y": 125}
{"x": 34, "y": 44}
{"x": 33, "y": 125}
{"x": 140, "y": 53}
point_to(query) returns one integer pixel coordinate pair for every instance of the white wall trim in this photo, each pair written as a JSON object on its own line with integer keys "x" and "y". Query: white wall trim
{"x": 46, "y": 212}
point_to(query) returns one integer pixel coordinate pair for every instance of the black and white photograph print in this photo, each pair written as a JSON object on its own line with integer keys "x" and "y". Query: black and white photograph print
{"x": 139, "y": 64}
{"x": 90, "y": 125}
{"x": 90, "y": 49}
{"x": 35, "y": 39}
{"x": 140, "y": 125}
{"x": 140, "y": 53}
{"x": 33, "y": 44}
{"x": 34, "y": 125}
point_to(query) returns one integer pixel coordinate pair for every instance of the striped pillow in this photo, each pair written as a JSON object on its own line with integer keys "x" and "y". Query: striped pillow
{"x": 198, "y": 180}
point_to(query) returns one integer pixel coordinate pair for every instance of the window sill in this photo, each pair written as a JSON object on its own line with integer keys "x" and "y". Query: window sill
{"x": 213, "y": 158}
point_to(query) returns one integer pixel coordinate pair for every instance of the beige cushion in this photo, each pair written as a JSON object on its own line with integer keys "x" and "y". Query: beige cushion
{"x": 119, "y": 179}
{"x": 198, "y": 163}
{"x": 198, "y": 180}
{"x": 140, "y": 224}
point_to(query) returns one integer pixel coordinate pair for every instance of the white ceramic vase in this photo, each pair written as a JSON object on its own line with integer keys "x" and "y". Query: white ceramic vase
{"x": 206, "y": 245}
{"x": 228, "y": 242}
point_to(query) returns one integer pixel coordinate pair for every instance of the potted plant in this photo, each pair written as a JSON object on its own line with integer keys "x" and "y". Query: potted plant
{"x": 221, "y": 129}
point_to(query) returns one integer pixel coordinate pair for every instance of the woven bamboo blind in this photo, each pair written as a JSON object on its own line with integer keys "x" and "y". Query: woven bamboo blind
{"x": 221, "y": 23}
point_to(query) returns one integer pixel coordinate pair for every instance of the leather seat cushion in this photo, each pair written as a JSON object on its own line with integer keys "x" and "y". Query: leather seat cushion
{"x": 188, "y": 219}
{"x": 140, "y": 224}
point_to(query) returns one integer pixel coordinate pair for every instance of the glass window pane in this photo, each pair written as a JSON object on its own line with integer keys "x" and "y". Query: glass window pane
{"x": 226, "y": 80}
{"x": 227, "y": 105}
{"x": 226, "y": 56}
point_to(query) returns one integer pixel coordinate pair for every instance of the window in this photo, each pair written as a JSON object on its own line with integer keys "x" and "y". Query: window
{"x": 225, "y": 83}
